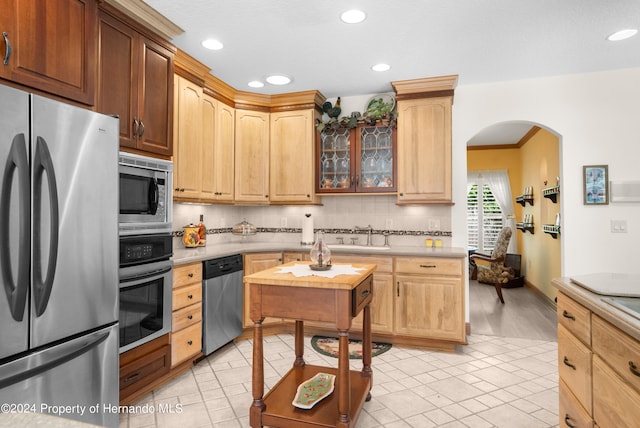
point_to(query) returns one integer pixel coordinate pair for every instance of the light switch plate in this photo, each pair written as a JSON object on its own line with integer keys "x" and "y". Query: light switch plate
{"x": 618, "y": 226}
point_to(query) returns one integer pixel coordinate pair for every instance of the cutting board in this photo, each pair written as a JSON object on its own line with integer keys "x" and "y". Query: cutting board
{"x": 610, "y": 284}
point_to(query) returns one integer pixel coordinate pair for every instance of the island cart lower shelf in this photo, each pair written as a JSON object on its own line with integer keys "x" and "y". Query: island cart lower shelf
{"x": 281, "y": 413}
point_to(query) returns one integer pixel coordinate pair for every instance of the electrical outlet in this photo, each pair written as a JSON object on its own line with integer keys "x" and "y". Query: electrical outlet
{"x": 283, "y": 222}
{"x": 434, "y": 224}
{"x": 618, "y": 226}
{"x": 389, "y": 224}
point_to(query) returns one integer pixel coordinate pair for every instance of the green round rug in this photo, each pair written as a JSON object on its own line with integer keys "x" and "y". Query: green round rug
{"x": 329, "y": 346}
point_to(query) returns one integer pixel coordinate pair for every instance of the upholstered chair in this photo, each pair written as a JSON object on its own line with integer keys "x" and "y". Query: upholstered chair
{"x": 490, "y": 269}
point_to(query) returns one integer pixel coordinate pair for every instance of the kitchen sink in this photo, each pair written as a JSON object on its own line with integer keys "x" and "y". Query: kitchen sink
{"x": 358, "y": 247}
{"x": 629, "y": 305}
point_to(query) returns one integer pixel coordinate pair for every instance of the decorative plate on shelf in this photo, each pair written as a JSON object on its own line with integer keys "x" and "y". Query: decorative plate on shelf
{"x": 312, "y": 391}
{"x": 381, "y": 104}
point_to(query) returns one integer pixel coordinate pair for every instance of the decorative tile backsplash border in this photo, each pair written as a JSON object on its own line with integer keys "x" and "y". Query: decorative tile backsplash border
{"x": 435, "y": 233}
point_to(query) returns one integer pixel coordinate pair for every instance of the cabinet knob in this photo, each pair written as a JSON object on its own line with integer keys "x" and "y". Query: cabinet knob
{"x": 190, "y": 275}
{"x": 190, "y": 342}
{"x": 190, "y": 317}
{"x": 190, "y": 296}
{"x": 634, "y": 369}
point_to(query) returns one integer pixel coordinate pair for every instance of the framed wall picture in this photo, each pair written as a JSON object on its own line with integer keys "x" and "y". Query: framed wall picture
{"x": 596, "y": 178}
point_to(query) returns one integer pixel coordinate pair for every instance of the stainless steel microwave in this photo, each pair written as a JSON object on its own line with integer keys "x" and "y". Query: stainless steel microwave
{"x": 146, "y": 195}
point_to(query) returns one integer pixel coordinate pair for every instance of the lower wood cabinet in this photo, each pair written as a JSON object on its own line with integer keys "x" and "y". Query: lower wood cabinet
{"x": 186, "y": 327}
{"x": 597, "y": 364}
{"x": 253, "y": 263}
{"x": 143, "y": 368}
{"x": 382, "y": 301}
{"x": 416, "y": 300}
{"x": 429, "y": 293}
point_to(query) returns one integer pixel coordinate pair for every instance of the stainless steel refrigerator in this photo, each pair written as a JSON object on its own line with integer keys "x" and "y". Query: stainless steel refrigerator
{"x": 58, "y": 258}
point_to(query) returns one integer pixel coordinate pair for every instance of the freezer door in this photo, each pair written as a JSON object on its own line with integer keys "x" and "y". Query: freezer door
{"x": 81, "y": 373}
{"x": 14, "y": 221}
{"x": 75, "y": 220}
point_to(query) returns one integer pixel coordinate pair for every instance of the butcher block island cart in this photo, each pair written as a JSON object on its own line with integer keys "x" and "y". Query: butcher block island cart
{"x": 337, "y": 300}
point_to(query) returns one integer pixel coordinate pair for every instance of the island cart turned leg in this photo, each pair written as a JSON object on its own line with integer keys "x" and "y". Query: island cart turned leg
{"x": 344, "y": 383}
{"x": 257, "y": 381}
{"x": 299, "y": 344}
{"x": 366, "y": 348}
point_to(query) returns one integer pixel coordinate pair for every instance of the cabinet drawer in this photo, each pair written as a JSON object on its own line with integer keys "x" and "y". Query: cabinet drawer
{"x": 383, "y": 264}
{"x": 362, "y": 295}
{"x": 186, "y": 296}
{"x": 186, "y": 343}
{"x": 621, "y": 351}
{"x": 575, "y": 318}
{"x": 616, "y": 404}
{"x": 574, "y": 366}
{"x": 186, "y": 316}
{"x": 570, "y": 412}
{"x": 428, "y": 265}
{"x": 144, "y": 370}
{"x": 187, "y": 274}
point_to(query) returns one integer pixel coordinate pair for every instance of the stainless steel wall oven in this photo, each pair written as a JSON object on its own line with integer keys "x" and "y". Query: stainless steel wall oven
{"x": 145, "y": 288}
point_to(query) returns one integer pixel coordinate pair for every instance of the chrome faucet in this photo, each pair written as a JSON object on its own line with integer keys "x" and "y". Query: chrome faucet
{"x": 369, "y": 230}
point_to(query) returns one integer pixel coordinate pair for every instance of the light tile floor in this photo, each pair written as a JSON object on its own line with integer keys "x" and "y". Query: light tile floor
{"x": 491, "y": 382}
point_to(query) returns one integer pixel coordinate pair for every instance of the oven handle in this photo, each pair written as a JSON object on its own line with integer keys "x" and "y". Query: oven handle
{"x": 146, "y": 275}
{"x": 154, "y": 259}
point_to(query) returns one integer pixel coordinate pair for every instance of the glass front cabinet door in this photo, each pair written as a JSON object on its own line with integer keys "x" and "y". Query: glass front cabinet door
{"x": 358, "y": 160}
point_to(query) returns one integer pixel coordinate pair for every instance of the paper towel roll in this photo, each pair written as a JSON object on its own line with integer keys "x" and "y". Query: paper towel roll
{"x": 307, "y": 230}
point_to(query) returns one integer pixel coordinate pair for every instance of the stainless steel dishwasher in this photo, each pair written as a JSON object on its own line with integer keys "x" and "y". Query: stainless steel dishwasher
{"x": 222, "y": 301}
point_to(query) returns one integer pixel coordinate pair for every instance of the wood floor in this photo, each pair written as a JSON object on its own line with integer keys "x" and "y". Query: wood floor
{"x": 524, "y": 314}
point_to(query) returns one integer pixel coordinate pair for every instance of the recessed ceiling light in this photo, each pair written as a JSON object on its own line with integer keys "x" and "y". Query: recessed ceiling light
{"x": 622, "y": 34}
{"x": 212, "y": 44}
{"x": 353, "y": 16}
{"x": 256, "y": 84}
{"x": 278, "y": 79}
{"x": 380, "y": 67}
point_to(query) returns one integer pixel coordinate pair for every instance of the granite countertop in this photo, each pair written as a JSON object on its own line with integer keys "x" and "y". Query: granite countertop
{"x": 182, "y": 255}
{"x": 595, "y": 303}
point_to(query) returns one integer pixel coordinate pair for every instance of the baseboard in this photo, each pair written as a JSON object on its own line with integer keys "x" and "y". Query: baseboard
{"x": 551, "y": 303}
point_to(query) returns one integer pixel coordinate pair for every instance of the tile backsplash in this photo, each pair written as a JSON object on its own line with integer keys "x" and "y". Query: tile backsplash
{"x": 337, "y": 216}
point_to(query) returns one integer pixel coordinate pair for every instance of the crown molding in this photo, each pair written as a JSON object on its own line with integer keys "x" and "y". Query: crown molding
{"x": 147, "y": 16}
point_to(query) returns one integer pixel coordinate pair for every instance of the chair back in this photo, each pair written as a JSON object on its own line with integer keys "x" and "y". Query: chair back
{"x": 500, "y": 249}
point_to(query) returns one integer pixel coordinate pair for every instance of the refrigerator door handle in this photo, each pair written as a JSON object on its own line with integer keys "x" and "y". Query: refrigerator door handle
{"x": 25, "y": 368}
{"x": 42, "y": 163}
{"x": 17, "y": 161}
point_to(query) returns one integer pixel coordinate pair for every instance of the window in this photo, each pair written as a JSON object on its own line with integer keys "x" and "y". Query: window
{"x": 483, "y": 209}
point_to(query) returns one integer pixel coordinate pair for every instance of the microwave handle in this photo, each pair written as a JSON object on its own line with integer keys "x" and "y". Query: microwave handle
{"x": 154, "y": 196}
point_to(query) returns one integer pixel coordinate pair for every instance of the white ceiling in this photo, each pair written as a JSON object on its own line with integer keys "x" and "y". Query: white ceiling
{"x": 482, "y": 41}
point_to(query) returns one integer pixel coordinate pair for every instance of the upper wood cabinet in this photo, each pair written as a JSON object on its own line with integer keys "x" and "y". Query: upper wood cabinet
{"x": 50, "y": 46}
{"x": 224, "y": 153}
{"x": 424, "y": 140}
{"x": 203, "y": 145}
{"x": 135, "y": 75}
{"x": 252, "y": 157}
{"x": 291, "y": 155}
{"x": 189, "y": 156}
{"x": 359, "y": 160}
